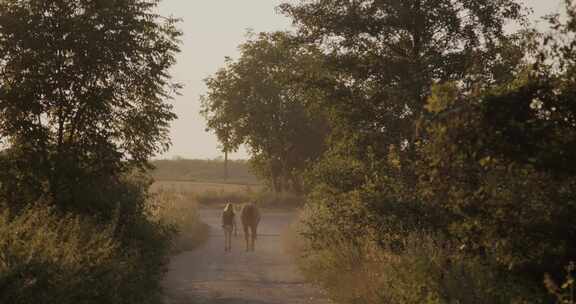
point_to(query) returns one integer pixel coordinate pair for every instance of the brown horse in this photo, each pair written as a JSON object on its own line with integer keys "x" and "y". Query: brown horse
{"x": 250, "y": 217}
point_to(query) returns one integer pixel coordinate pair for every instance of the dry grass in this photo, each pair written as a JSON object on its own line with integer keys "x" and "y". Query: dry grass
{"x": 217, "y": 194}
{"x": 424, "y": 270}
{"x": 199, "y": 187}
{"x": 209, "y": 194}
{"x": 47, "y": 256}
{"x": 181, "y": 211}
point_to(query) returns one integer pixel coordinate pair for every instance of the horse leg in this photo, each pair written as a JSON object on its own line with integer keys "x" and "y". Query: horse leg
{"x": 254, "y": 236}
{"x": 225, "y": 240}
{"x": 230, "y": 240}
{"x": 246, "y": 237}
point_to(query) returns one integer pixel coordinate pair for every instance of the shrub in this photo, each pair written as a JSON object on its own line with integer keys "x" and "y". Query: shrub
{"x": 421, "y": 269}
{"x": 50, "y": 258}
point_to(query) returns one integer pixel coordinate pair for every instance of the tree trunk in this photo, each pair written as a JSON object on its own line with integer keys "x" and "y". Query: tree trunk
{"x": 226, "y": 165}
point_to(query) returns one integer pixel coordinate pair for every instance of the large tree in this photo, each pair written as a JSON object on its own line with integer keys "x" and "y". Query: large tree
{"x": 389, "y": 53}
{"x": 84, "y": 86}
{"x": 501, "y": 161}
{"x": 264, "y": 100}
{"x": 385, "y": 57}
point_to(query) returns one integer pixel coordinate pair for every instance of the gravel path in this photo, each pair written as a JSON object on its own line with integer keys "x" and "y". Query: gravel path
{"x": 208, "y": 275}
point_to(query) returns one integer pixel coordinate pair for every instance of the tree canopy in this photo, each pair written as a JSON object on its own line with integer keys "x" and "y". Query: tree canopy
{"x": 264, "y": 100}
{"x": 84, "y": 90}
{"x": 389, "y": 53}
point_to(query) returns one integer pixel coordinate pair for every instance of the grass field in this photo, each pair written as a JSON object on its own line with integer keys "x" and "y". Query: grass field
{"x": 209, "y": 194}
{"x": 202, "y": 181}
{"x": 217, "y": 194}
{"x": 204, "y": 171}
{"x": 203, "y": 187}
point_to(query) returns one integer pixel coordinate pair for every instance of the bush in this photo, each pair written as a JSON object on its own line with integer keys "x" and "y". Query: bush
{"x": 50, "y": 258}
{"x": 494, "y": 178}
{"x": 420, "y": 269}
{"x": 48, "y": 255}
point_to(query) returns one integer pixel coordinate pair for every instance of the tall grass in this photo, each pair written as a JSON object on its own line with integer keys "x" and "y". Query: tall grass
{"x": 46, "y": 257}
{"x": 180, "y": 210}
{"x": 422, "y": 269}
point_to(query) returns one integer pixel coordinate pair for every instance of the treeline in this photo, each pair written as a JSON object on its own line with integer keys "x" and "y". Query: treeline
{"x": 436, "y": 148}
{"x": 84, "y": 87}
{"x": 199, "y": 170}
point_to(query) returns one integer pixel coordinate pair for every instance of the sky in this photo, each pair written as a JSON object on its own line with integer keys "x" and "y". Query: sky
{"x": 213, "y": 29}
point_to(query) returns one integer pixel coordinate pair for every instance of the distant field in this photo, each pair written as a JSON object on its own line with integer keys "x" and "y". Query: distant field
{"x": 202, "y": 182}
{"x": 209, "y": 194}
{"x": 204, "y": 171}
{"x": 203, "y": 187}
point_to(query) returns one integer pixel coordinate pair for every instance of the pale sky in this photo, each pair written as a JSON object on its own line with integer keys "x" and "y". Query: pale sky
{"x": 212, "y": 30}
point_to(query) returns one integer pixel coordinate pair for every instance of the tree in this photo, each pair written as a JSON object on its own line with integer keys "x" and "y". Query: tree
{"x": 384, "y": 57}
{"x": 388, "y": 54}
{"x": 499, "y": 169}
{"x": 502, "y": 165}
{"x": 83, "y": 94}
{"x": 262, "y": 100}
{"x": 444, "y": 126}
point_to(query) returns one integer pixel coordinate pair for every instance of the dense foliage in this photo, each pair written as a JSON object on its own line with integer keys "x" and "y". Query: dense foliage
{"x": 84, "y": 86}
{"x": 48, "y": 257}
{"x": 264, "y": 100}
{"x": 387, "y": 55}
{"x": 450, "y": 150}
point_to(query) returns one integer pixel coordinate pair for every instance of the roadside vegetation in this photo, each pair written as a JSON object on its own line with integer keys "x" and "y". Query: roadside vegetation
{"x": 434, "y": 145}
{"x": 84, "y": 105}
{"x": 180, "y": 211}
{"x": 51, "y": 256}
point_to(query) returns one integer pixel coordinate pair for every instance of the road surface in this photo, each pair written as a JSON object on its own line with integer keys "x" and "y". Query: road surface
{"x": 208, "y": 275}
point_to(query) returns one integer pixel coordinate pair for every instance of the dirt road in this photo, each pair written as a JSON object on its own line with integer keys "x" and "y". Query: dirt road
{"x": 208, "y": 275}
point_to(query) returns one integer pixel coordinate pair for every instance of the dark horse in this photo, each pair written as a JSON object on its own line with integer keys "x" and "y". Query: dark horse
{"x": 250, "y": 217}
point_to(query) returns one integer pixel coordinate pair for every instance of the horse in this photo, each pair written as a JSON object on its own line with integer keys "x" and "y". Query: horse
{"x": 250, "y": 217}
{"x": 229, "y": 225}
